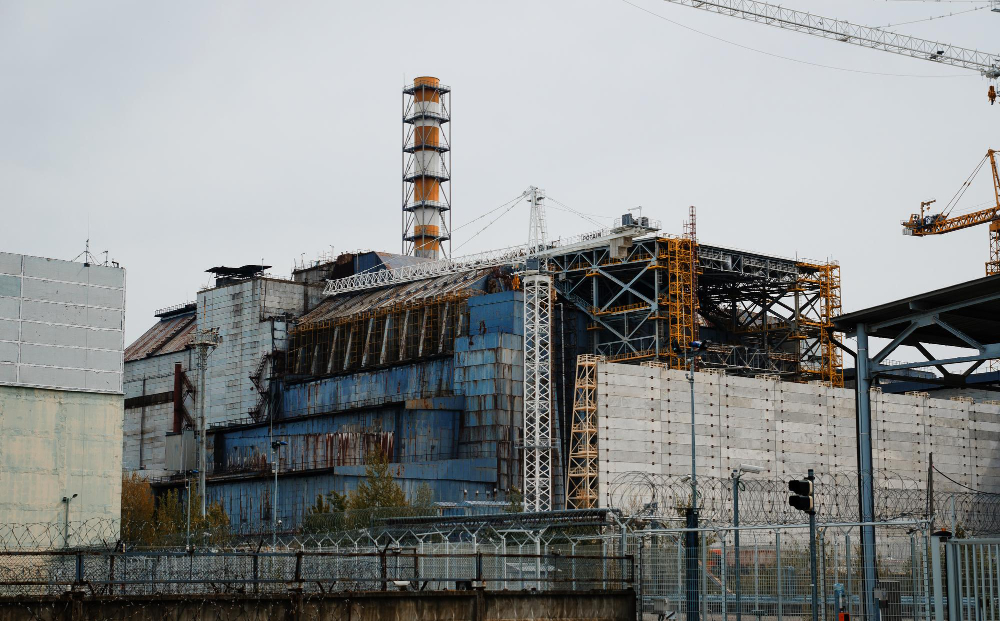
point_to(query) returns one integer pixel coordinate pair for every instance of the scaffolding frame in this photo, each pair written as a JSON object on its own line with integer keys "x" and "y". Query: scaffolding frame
{"x": 762, "y": 314}
{"x": 584, "y": 491}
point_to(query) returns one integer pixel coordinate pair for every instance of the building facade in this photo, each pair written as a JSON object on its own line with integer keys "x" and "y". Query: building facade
{"x": 61, "y": 401}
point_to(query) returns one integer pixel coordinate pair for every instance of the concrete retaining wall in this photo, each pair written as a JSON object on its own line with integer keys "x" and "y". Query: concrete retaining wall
{"x": 428, "y": 606}
{"x": 56, "y": 443}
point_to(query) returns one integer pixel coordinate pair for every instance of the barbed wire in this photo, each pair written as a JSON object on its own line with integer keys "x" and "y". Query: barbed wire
{"x": 765, "y": 501}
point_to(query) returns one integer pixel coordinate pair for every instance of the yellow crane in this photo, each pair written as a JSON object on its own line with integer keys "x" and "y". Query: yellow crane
{"x": 925, "y": 223}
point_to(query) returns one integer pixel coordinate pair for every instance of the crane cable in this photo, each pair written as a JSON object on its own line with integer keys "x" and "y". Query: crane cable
{"x": 946, "y": 212}
{"x": 927, "y": 19}
{"x": 494, "y": 210}
{"x": 585, "y": 216}
{"x": 513, "y": 203}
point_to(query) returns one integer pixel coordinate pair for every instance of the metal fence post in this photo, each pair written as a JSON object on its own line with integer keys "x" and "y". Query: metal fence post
{"x": 850, "y": 572}
{"x": 79, "y": 568}
{"x": 722, "y": 577}
{"x": 822, "y": 572}
{"x": 781, "y": 575}
{"x": 256, "y": 572}
{"x": 951, "y": 575}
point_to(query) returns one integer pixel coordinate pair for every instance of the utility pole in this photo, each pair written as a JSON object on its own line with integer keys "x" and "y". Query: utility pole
{"x": 275, "y": 446}
{"x": 66, "y": 500}
{"x": 737, "y": 475}
{"x": 187, "y": 486}
{"x": 204, "y": 342}
{"x": 803, "y": 498}
{"x": 692, "y": 570}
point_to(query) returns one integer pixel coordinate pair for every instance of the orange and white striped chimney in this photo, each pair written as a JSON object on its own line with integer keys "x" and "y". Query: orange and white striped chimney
{"x": 426, "y": 168}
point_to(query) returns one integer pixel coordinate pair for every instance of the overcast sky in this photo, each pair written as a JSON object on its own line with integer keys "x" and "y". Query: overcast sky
{"x": 192, "y": 134}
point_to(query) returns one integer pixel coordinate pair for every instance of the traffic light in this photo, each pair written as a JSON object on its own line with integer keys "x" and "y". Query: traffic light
{"x": 802, "y": 495}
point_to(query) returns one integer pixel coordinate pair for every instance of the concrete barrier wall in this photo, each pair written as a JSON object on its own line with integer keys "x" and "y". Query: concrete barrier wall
{"x": 426, "y": 606}
{"x": 644, "y": 418}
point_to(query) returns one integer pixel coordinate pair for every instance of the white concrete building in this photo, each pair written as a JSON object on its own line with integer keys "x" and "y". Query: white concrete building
{"x": 251, "y": 312}
{"x": 61, "y": 398}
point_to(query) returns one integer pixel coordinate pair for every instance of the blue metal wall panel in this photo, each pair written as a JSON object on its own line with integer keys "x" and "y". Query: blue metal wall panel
{"x": 458, "y": 434}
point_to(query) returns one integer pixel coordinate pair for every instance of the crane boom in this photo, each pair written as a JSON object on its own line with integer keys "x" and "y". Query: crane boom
{"x": 840, "y": 30}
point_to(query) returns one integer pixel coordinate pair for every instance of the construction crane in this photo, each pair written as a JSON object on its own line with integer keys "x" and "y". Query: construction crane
{"x": 924, "y": 223}
{"x": 846, "y": 32}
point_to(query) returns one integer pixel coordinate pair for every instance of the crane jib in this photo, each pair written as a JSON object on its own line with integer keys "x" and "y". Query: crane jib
{"x": 840, "y": 30}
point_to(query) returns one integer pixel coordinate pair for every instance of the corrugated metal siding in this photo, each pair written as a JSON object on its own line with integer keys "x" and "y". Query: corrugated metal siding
{"x": 352, "y": 303}
{"x": 167, "y": 336}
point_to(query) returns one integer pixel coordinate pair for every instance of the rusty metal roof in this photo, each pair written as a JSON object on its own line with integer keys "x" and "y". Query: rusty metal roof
{"x": 347, "y": 304}
{"x": 169, "y": 335}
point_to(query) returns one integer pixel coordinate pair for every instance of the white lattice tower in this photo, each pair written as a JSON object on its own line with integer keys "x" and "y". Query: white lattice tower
{"x": 537, "y": 228}
{"x": 537, "y": 453}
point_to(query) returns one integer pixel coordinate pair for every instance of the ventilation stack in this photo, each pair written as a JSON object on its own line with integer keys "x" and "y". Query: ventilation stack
{"x": 426, "y": 169}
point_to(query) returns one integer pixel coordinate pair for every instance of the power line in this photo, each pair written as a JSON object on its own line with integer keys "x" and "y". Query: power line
{"x": 788, "y": 58}
{"x": 961, "y": 484}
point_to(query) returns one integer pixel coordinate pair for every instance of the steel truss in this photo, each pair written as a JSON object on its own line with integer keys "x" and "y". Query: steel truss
{"x": 763, "y": 314}
{"x": 537, "y": 393}
{"x": 583, "y": 465}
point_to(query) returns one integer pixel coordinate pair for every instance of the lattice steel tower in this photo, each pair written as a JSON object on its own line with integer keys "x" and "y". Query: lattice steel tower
{"x": 537, "y": 463}
{"x": 426, "y": 169}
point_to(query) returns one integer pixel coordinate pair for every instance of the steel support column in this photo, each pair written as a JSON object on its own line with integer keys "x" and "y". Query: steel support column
{"x": 866, "y": 488}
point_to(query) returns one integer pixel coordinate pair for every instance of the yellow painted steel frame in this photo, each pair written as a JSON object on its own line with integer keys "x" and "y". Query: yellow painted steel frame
{"x": 583, "y": 451}
{"x": 680, "y": 299}
{"x": 825, "y": 276}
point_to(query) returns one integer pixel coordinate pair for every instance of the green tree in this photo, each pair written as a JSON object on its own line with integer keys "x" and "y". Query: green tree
{"x": 326, "y": 515}
{"x": 516, "y": 501}
{"x": 379, "y": 490}
{"x": 423, "y": 500}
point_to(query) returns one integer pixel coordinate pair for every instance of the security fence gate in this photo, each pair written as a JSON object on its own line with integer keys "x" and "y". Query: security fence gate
{"x": 972, "y": 573}
{"x": 769, "y": 578}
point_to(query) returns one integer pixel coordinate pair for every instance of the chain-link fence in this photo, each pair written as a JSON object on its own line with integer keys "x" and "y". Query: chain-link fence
{"x": 768, "y": 576}
{"x": 102, "y": 573}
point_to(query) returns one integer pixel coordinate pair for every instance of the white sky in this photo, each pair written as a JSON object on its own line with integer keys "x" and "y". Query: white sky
{"x": 193, "y": 134}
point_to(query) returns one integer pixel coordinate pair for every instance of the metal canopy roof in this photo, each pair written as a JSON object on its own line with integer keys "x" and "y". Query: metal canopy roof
{"x": 972, "y": 308}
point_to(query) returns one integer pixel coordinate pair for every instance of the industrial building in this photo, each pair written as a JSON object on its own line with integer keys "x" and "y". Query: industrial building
{"x": 61, "y": 401}
{"x": 464, "y": 371}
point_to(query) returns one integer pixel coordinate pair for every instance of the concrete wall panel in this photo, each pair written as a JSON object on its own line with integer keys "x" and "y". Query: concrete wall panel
{"x": 785, "y": 428}
{"x": 67, "y": 323}
{"x": 55, "y": 443}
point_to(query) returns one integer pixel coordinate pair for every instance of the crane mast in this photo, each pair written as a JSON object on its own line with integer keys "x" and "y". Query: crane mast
{"x": 846, "y": 32}
{"x": 537, "y": 399}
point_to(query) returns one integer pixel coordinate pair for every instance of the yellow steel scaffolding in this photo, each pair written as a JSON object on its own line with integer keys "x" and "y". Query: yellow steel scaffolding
{"x": 583, "y": 452}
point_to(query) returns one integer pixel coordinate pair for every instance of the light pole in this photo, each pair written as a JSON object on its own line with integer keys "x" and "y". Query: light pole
{"x": 694, "y": 349}
{"x": 737, "y": 474}
{"x": 66, "y": 500}
{"x": 187, "y": 487}
{"x": 274, "y": 505}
